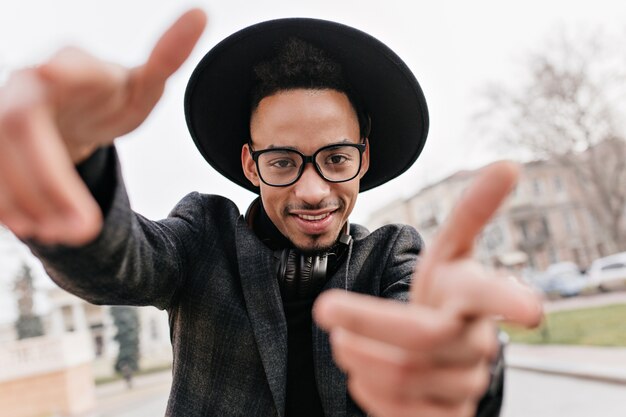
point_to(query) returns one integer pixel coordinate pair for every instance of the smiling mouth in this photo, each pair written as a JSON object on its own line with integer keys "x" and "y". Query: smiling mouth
{"x": 313, "y": 218}
{"x": 314, "y": 224}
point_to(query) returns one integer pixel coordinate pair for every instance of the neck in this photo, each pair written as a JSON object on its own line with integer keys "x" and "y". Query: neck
{"x": 264, "y": 228}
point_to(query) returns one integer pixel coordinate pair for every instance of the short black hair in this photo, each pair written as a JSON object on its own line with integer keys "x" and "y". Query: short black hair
{"x": 298, "y": 64}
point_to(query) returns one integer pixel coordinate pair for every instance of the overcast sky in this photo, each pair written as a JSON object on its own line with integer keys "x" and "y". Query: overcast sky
{"x": 453, "y": 47}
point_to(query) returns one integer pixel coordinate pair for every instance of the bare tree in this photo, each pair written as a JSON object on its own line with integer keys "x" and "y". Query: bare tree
{"x": 28, "y": 324}
{"x": 570, "y": 108}
{"x": 126, "y": 320}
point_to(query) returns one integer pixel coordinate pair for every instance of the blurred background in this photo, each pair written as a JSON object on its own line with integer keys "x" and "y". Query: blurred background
{"x": 542, "y": 83}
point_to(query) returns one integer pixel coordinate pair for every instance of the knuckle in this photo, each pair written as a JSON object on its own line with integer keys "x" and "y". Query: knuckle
{"x": 51, "y": 236}
{"x": 13, "y": 121}
{"x": 464, "y": 409}
{"x": 6, "y": 210}
{"x": 493, "y": 349}
{"x": 404, "y": 371}
{"x": 467, "y": 410}
{"x": 479, "y": 382}
{"x": 68, "y": 52}
{"x": 71, "y": 51}
{"x": 18, "y": 226}
{"x": 16, "y": 122}
{"x": 414, "y": 340}
{"x": 484, "y": 339}
{"x": 488, "y": 348}
{"x": 360, "y": 393}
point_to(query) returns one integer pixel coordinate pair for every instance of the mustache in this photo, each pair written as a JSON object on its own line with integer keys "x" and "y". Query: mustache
{"x": 328, "y": 204}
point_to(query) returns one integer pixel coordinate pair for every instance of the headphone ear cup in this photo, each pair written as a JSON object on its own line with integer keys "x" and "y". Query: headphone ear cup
{"x": 306, "y": 267}
{"x": 300, "y": 275}
{"x": 290, "y": 267}
{"x": 287, "y": 272}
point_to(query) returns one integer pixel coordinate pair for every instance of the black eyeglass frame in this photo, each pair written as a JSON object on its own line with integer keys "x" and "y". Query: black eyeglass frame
{"x": 308, "y": 159}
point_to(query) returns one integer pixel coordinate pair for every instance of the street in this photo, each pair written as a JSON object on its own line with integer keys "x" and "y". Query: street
{"x": 541, "y": 395}
{"x": 147, "y": 398}
{"x": 527, "y": 394}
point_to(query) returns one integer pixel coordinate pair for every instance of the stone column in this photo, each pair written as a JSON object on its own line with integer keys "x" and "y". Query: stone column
{"x": 79, "y": 318}
{"x": 57, "y": 325}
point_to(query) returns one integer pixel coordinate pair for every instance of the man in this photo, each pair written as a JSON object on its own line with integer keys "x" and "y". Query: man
{"x": 331, "y": 112}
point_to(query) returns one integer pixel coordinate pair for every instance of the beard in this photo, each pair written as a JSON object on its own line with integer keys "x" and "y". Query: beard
{"x": 316, "y": 247}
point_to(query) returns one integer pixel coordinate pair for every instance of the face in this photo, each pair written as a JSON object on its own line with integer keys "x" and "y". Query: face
{"x": 312, "y": 211}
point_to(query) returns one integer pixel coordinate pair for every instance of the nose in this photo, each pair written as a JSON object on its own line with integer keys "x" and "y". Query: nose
{"x": 311, "y": 188}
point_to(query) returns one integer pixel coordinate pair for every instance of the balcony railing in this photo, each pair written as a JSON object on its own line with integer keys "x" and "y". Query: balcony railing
{"x": 44, "y": 354}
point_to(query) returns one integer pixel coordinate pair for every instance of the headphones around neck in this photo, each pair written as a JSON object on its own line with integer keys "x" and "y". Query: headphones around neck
{"x": 301, "y": 275}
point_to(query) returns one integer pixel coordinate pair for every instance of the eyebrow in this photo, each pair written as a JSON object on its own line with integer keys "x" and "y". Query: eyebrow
{"x": 293, "y": 148}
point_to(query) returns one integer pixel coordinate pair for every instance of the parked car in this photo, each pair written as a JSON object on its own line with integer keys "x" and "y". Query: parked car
{"x": 608, "y": 273}
{"x": 562, "y": 279}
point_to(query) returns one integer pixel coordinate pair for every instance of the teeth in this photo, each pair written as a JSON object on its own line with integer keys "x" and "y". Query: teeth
{"x": 313, "y": 218}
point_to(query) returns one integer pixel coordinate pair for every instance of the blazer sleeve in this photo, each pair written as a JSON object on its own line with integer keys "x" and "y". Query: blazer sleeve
{"x": 134, "y": 261}
{"x": 406, "y": 247}
{"x": 402, "y": 262}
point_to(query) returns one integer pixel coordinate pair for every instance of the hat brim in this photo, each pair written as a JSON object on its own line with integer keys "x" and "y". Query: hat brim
{"x": 217, "y": 98}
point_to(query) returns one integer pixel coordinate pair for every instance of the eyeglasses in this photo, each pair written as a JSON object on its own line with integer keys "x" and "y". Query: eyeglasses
{"x": 280, "y": 167}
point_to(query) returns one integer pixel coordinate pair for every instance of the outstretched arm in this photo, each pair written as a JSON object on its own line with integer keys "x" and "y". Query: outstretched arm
{"x": 431, "y": 356}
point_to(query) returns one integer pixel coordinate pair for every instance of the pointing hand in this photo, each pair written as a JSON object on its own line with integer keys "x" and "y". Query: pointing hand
{"x": 57, "y": 114}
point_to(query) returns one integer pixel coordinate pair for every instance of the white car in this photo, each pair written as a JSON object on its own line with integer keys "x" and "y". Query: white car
{"x": 609, "y": 272}
{"x": 561, "y": 279}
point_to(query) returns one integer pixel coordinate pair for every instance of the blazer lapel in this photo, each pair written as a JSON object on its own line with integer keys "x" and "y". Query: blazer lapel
{"x": 264, "y": 305}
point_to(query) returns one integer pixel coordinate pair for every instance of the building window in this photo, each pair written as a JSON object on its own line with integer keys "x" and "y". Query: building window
{"x": 545, "y": 226}
{"x": 558, "y": 184}
{"x": 524, "y": 229}
{"x": 552, "y": 255}
{"x": 494, "y": 237}
{"x": 98, "y": 343}
{"x": 576, "y": 256}
{"x": 595, "y": 223}
{"x": 68, "y": 322}
{"x": 154, "y": 329}
{"x": 537, "y": 189}
{"x": 570, "y": 222}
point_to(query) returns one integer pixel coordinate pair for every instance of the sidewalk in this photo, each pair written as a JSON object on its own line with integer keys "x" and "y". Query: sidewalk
{"x": 589, "y": 301}
{"x": 605, "y": 364}
{"x": 141, "y": 383}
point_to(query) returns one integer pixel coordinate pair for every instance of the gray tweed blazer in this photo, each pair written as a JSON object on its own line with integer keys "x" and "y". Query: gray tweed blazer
{"x": 216, "y": 280}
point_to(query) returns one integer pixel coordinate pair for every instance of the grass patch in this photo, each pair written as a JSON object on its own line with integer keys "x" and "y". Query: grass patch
{"x": 597, "y": 326}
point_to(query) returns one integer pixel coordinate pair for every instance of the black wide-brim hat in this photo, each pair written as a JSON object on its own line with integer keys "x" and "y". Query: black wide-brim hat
{"x": 217, "y": 99}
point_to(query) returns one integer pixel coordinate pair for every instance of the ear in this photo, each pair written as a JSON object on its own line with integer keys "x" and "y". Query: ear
{"x": 365, "y": 162}
{"x": 248, "y": 165}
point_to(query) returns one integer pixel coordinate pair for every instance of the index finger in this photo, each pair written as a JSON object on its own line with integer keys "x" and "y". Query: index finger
{"x": 399, "y": 324}
{"x": 171, "y": 50}
{"x": 472, "y": 212}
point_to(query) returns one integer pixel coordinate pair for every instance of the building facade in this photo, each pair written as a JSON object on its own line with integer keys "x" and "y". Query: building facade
{"x": 542, "y": 222}
{"x": 64, "y": 314}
